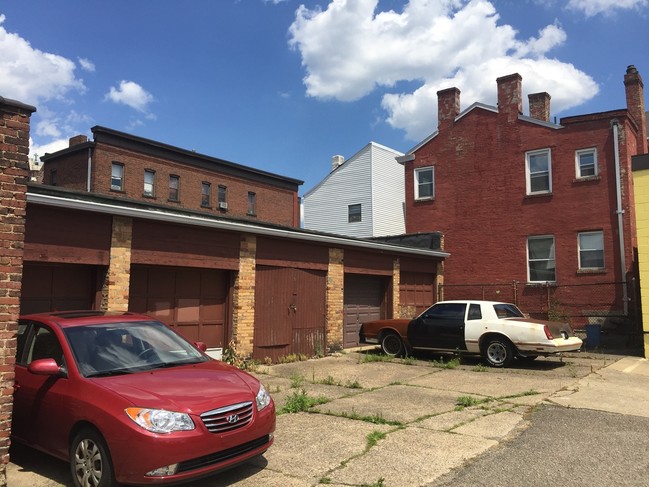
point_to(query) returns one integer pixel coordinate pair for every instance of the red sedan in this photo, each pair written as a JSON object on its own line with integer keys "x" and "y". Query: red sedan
{"x": 125, "y": 399}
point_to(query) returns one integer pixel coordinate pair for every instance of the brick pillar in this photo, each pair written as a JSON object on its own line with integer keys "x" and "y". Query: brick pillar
{"x": 634, "y": 88}
{"x": 396, "y": 285}
{"x": 510, "y": 98}
{"x": 335, "y": 299}
{"x": 14, "y": 173}
{"x": 540, "y": 106}
{"x": 439, "y": 278}
{"x": 448, "y": 107}
{"x": 243, "y": 319}
{"x": 117, "y": 286}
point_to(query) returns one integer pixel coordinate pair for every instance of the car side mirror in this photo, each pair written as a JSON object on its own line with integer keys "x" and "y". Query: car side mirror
{"x": 201, "y": 346}
{"x": 45, "y": 366}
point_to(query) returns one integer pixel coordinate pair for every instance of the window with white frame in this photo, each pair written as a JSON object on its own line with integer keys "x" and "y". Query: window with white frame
{"x": 541, "y": 264}
{"x": 591, "y": 250}
{"x": 117, "y": 177}
{"x": 354, "y": 213}
{"x": 586, "y": 163}
{"x": 538, "y": 170}
{"x": 149, "y": 183}
{"x": 425, "y": 183}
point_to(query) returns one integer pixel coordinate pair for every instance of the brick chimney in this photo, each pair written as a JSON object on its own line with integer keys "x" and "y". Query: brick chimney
{"x": 510, "y": 98}
{"x": 635, "y": 104}
{"x": 77, "y": 139}
{"x": 540, "y": 106}
{"x": 448, "y": 107}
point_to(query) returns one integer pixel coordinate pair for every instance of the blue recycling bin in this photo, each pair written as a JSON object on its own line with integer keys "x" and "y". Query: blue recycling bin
{"x": 593, "y": 335}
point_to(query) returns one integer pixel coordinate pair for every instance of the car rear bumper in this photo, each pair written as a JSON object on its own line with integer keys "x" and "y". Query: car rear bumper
{"x": 559, "y": 345}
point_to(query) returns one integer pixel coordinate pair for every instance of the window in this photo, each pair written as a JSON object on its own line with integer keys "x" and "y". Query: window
{"x": 540, "y": 258}
{"x": 149, "y": 183}
{"x": 174, "y": 188}
{"x": 591, "y": 250}
{"x": 586, "y": 161}
{"x": 223, "y": 198}
{"x": 446, "y": 311}
{"x": 206, "y": 194}
{"x": 354, "y": 213}
{"x": 252, "y": 203}
{"x": 424, "y": 183}
{"x": 538, "y": 168}
{"x": 117, "y": 177}
{"x": 53, "y": 178}
{"x": 475, "y": 312}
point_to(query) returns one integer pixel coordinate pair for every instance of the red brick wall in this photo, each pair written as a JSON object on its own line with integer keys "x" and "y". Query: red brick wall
{"x": 481, "y": 204}
{"x": 14, "y": 172}
{"x": 274, "y": 205}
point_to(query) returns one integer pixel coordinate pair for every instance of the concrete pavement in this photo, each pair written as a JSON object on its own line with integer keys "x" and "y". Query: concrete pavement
{"x": 405, "y": 422}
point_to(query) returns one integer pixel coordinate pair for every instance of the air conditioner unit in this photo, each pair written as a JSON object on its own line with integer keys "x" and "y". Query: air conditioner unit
{"x": 223, "y": 205}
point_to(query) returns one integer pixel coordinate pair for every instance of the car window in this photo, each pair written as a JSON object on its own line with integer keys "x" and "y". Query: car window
{"x": 44, "y": 344}
{"x": 475, "y": 312}
{"x": 504, "y": 310}
{"x": 446, "y": 311}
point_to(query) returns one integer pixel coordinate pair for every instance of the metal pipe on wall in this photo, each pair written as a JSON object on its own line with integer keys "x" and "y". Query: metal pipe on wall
{"x": 620, "y": 213}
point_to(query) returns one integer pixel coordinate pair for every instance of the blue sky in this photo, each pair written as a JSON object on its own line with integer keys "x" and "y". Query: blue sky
{"x": 283, "y": 85}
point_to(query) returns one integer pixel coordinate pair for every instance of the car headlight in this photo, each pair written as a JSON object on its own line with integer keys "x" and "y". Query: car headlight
{"x": 263, "y": 398}
{"x": 159, "y": 420}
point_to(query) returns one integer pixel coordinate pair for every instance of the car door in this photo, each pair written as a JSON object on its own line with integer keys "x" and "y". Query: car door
{"x": 441, "y": 326}
{"x": 40, "y": 401}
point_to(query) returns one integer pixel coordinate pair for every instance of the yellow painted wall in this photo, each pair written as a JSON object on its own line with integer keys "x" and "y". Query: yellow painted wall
{"x": 641, "y": 191}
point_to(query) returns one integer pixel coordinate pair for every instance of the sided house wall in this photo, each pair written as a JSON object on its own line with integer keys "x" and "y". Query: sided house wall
{"x": 273, "y": 290}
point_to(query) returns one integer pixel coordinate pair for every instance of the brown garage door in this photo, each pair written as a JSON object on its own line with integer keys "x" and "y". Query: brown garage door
{"x": 194, "y": 301}
{"x": 364, "y": 298}
{"x": 416, "y": 293}
{"x": 289, "y": 312}
{"x": 59, "y": 287}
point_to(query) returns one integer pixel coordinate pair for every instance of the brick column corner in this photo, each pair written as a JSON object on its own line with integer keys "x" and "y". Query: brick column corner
{"x": 335, "y": 300}
{"x": 14, "y": 174}
{"x": 243, "y": 319}
{"x": 115, "y": 293}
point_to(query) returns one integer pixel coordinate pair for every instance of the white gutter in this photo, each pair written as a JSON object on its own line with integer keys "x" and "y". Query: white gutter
{"x": 620, "y": 213}
{"x": 88, "y": 179}
{"x": 231, "y": 226}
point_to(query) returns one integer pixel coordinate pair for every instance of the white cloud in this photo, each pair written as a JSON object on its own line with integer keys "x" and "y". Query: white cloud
{"x": 349, "y": 49}
{"x": 87, "y": 65}
{"x": 32, "y": 76}
{"x": 130, "y": 94}
{"x": 606, "y": 7}
{"x": 49, "y": 148}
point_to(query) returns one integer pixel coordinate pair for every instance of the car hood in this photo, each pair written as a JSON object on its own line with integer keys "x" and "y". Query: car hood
{"x": 188, "y": 388}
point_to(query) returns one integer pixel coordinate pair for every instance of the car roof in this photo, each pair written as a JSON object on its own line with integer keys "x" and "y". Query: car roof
{"x": 66, "y": 319}
{"x": 476, "y": 301}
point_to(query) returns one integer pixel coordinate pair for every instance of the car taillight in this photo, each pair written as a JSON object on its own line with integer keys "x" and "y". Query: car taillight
{"x": 546, "y": 329}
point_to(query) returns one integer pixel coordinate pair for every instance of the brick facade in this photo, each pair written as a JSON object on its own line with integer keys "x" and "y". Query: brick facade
{"x": 482, "y": 203}
{"x": 276, "y": 196}
{"x": 14, "y": 173}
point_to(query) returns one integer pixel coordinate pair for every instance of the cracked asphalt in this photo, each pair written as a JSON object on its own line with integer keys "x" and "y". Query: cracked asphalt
{"x": 432, "y": 421}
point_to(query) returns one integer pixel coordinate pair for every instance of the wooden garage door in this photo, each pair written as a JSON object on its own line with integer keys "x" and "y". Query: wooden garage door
{"x": 58, "y": 287}
{"x": 364, "y": 298}
{"x": 289, "y": 312}
{"x": 416, "y": 292}
{"x": 194, "y": 301}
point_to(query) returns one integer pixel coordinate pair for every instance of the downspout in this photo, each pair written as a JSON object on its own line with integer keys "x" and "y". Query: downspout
{"x": 89, "y": 169}
{"x": 620, "y": 213}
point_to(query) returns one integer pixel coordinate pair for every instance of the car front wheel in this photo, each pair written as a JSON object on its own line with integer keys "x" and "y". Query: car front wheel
{"x": 498, "y": 352}
{"x": 90, "y": 460}
{"x": 392, "y": 345}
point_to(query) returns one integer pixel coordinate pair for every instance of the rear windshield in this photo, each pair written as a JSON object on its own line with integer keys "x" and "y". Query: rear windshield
{"x": 507, "y": 311}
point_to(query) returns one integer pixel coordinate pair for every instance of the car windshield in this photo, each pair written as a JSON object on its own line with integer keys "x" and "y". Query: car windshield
{"x": 504, "y": 310}
{"x": 127, "y": 347}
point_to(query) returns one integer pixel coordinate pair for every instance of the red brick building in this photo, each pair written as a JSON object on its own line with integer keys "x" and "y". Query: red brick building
{"x": 534, "y": 211}
{"x": 126, "y": 166}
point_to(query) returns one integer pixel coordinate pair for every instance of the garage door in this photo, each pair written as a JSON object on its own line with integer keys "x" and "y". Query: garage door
{"x": 58, "y": 287}
{"x": 289, "y": 312}
{"x": 416, "y": 292}
{"x": 364, "y": 298}
{"x": 194, "y": 301}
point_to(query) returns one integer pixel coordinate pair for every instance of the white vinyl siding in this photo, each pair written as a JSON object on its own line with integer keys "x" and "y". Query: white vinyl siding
{"x": 371, "y": 178}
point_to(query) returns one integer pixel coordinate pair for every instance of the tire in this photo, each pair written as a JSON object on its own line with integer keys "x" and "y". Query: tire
{"x": 90, "y": 462}
{"x": 392, "y": 345}
{"x": 498, "y": 352}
